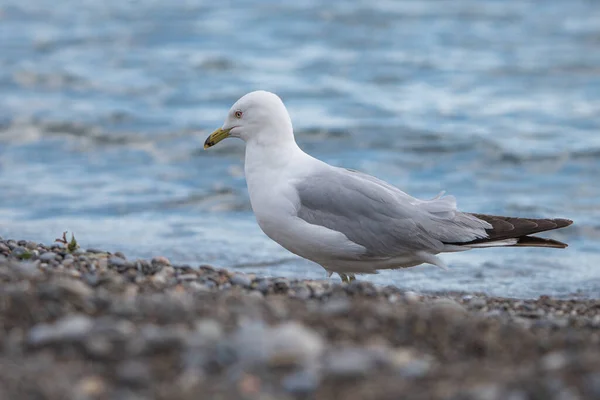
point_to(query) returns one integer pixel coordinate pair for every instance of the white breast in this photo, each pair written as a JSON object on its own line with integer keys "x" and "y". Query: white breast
{"x": 275, "y": 204}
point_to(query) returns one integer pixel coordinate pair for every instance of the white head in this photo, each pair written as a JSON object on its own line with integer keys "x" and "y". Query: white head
{"x": 258, "y": 117}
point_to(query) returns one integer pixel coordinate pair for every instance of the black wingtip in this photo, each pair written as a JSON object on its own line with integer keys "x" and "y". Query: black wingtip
{"x": 534, "y": 241}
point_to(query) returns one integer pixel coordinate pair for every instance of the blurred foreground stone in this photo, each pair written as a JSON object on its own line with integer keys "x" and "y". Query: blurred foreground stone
{"x": 94, "y": 325}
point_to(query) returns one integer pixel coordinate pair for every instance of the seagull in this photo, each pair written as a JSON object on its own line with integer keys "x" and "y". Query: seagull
{"x": 347, "y": 221}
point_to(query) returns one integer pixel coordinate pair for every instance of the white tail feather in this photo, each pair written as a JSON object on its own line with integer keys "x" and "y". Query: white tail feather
{"x": 498, "y": 243}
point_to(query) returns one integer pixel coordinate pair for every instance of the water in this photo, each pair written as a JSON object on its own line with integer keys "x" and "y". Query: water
{"x": 104, "y": 107}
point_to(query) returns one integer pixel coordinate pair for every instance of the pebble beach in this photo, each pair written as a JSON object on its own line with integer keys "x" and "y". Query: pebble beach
{"x": 90, "y": 324}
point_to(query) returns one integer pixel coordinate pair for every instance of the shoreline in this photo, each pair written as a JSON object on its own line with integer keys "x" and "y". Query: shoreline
{"x": 94, "y": 325}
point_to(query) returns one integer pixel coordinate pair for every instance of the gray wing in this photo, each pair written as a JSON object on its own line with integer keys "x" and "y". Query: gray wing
{"x": 380, "y": 217}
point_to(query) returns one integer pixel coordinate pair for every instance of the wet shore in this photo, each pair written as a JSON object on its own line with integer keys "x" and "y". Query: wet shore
{"x": 88, "y": 324}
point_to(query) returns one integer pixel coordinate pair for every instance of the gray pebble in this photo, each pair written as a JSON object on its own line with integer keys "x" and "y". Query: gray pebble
{"x": 19, "y": 251}
{"x": 592, "y": 383}
{"x": 257, "y": 294}
{"x": 117, "y": 262}
{"x": 209, "y": 329}
{"x": 287, "y": 344}
{"x": 415, "y": 369}
{"x": 198, "y": 286}
{"x": 555, "y": 360}
{"x": 210, "y": 284}
{"x": 31, "y": 245}
{"x": 411, "y": 297}
{"x": 301, "y": 292}
{"x": 4, "y": 248}
{"x": 98, "y": 346}
{"x": 242, "y": 280}
{"x": 477, "y": 303}
{"x": 489, "y": 391}
{"x": 27, "y": 269}
{"x": 263, "y": 286}
{"x": 49, "y": 256}
{"x": 301, "y": 382}
{"x": 160, "y": 260}
{"x": 352, "y": 363}
{"x": 187, "y": 277}
{"x": 95, "y": 251}
{"x": 91, "y": 279}
{"x": 66, "y": 329}
{"x": 362, "y": 287}
{"x": 133, "y": 373}
{"x": 495, "y": 313}
{"x": 336, "y": 306}
{"x": 206, "y": 333}
{"x": 448, "y": 308}
{"x": 281, "y": 285}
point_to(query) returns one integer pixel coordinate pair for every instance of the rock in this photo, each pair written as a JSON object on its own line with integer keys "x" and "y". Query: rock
{"x": 133, "y": 373}
{"x": 477, "y": 303}
{"x": 73, "y": 287}
{"x": 281, "y": 285}
{"x": 4, "y": 248}
{"x": 160, "y": 260}
{"x": 117, "y": 262}
{"x": 67, "y": 329}
{"x": 352, "y": 363}
{"x": 26, "y": 269}
{"x": 415, "y": 368}
{"x": 301, "y": 382}
{"x": 592, "y": 385}
{"x": 256, "y": 294}
{"x": 95, "y": 251}
{"x": 21, "y": 252}
{"x": 485, "y": 392}
{"x": 241, "y": 280}
{"x": 554, "y": 361}
{"x": 48, "y": 256}
{"x": 283, "y": 345}
{"x": 31, "y": 245}
{"x": 361, "y": 287}
{"x": 301, "y": 292}
{"x": 206, "y": 332}
{"x": 411, "y": 297}
{"x": 336, "y": 306}
{"x": 187, "y": 277}
{"x": 447, "y": 308}
{"x": 198, "y": 287}
{"x": 263, "y": 286}
{"x": 90, "y": 387}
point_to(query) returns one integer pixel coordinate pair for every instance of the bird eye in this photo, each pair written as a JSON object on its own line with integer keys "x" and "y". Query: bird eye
{"x": 238, "y": 114}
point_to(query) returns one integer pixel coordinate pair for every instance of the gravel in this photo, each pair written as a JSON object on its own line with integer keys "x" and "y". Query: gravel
{"x": 92, "y": 325}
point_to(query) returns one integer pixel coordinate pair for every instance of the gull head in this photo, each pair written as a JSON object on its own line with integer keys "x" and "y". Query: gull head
{"x": 258, "y": 117}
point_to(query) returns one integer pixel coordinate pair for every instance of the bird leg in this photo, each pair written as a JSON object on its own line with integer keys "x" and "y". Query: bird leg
{"x": 347, "y": 278}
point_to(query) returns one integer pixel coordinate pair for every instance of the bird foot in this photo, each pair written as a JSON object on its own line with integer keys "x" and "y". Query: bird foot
{"x": 347, "y": 278}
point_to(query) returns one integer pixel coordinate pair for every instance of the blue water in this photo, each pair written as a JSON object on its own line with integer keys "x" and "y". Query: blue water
{"x": 104, "y": 107}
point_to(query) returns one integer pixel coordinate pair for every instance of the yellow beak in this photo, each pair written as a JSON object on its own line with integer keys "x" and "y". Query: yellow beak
{"x": 216, "y": 137}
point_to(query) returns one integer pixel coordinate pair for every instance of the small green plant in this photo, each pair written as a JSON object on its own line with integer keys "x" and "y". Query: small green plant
{"x": 25, "y": 256}
{"x": 71, "y": 245}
